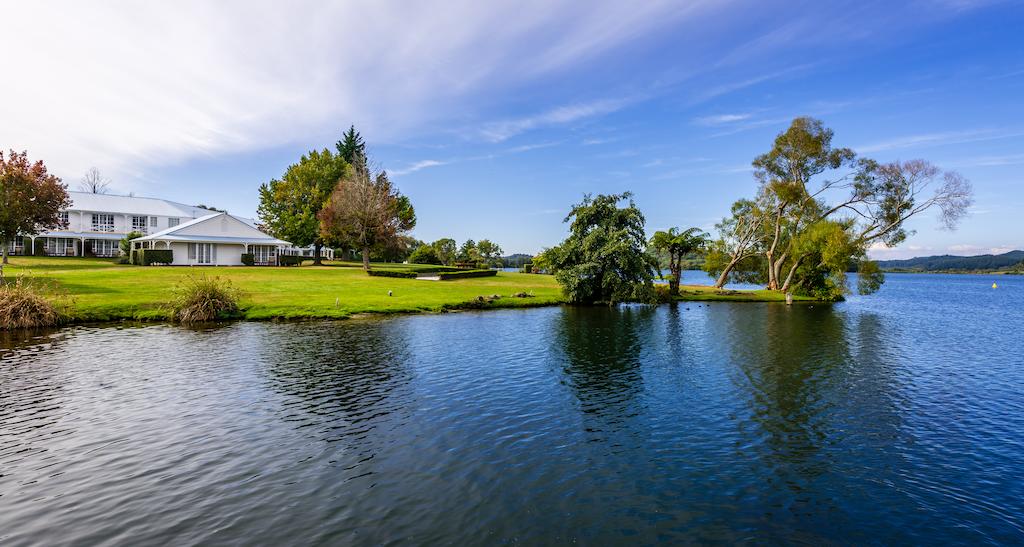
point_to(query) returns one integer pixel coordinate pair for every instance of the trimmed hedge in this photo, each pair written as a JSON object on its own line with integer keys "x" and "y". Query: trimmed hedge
{"x": 248, "y": 259}
{"x": 433, "y": 269}
{"x": 528, "y": 267}
{"x": 445, "y": 276}
{"x": 391, "y": 273}
{"x": 289, "y": 260}
{"x": 148, "y": 257}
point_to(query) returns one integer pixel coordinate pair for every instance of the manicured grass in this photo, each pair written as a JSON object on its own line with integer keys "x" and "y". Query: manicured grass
{"x": 102, "y": 290}
{"x": 704, "y": 293}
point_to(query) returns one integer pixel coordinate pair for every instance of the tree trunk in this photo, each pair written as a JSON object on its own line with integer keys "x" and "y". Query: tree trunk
{"x": 317, "y": 246}
{"x": 725, "y": 274}
{"x": 792, "y": 272}
{"x": 366, "y": 258}
{"x": 773, "y": 282}
{"x": 673, "y": 282}
{"x": 5, "y": 252}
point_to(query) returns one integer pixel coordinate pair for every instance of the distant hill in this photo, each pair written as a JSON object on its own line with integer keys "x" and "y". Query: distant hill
{"x": 516, "y": 260}
{"x": 1004, "y": 261}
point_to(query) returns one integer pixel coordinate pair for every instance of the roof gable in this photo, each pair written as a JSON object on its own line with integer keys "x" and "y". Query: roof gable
{"x": 218, "y": 225}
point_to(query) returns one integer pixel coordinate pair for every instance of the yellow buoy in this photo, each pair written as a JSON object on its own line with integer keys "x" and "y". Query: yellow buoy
{"x": 994, "y": 286}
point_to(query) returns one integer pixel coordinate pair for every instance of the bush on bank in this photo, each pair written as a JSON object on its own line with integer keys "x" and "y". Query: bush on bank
{"x": 201, "y": 299}
{"x": 22, "y": 306}
{"x": 391, "y": 273}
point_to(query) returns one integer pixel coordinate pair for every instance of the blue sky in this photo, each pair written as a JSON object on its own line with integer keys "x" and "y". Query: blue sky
{"x": 495, "y": 117}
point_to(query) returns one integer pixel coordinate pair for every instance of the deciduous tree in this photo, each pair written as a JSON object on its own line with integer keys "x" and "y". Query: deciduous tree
{"x": 289, "y": 206}
{"x": 446, "y": 250}
{"x": 31, "y": 199}
{"x": 366, "y": 211}
{"x": 93, "y": 182}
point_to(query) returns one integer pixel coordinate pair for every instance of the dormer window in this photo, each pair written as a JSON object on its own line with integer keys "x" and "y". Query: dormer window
{"x": 64, "y": 221}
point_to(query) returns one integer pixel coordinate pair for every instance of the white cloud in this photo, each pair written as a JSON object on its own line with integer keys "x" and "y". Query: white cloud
{"x": 939, "y": 139}
{"x": 503, "y": 130}
{"x": 721, "y": 119}
{"x": 420, "y": 165}
{"x": 125, "y": 85}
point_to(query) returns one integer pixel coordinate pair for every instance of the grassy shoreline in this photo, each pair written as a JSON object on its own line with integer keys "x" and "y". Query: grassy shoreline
{"x": 100, "y": 290}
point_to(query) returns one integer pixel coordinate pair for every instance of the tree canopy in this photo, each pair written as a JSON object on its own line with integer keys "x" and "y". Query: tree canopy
{"x": 366, "y": 211}
{"x": 819, "y": 208}
{"x": 31, "y": 199}
{"x": 603, "y": 259}
{"x": 289, "y": 206}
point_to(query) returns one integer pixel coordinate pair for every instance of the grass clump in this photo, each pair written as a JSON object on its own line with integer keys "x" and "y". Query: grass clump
{"x": 23, "y": 306}
{"x": 201, "y": 299}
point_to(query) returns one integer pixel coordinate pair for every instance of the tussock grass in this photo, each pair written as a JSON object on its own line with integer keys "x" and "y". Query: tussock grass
{"x": 202, "y": 299}
{"x": 23, "y": 306}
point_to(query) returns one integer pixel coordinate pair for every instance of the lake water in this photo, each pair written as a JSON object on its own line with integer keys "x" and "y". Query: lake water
{"x": 895, "y": 418}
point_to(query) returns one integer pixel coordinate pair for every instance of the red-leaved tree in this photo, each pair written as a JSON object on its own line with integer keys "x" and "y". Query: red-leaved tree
{"x": 30, "y": 198}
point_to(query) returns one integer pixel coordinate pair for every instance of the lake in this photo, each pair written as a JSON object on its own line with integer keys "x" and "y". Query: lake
{"x": 894, "y": 418}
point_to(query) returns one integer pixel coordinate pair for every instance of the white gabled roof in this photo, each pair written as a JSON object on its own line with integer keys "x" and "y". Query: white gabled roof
{"x": 130, "y": 205}
{"x": 249, "y": 234}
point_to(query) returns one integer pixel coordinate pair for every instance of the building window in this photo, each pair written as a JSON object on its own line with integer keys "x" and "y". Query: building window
{"x": 104, "y": 247}
{"x": 152, "y": 222}
{"x": 202, "y": 253}
{"x": 64, "y": 219}
{"x": 172, "y": 222}
{"x": 102, "y": 223}
{"x": 139, "y": 224}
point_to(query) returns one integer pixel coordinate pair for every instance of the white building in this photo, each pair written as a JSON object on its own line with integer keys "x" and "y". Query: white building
{"x": 95, "y": 224}
{"x": 219, "y": 239}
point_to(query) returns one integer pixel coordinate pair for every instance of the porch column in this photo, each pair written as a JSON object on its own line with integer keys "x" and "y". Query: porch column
{"x": 32, "y": 251}
{"x": 82, "y": 248}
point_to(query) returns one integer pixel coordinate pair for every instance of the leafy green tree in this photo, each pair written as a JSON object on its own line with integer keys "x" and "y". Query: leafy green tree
{"x": 776, "y": 238}
{"x": 446, "y": 250}
{"x": 603, "y": 259}
{"x": 126, "y": 242}
{"x": 675, "y": 245}
{"x": 289, "y": 206}
{"x": 468, "y": 252}
{"x": 546, "y": 261}
{"x": 424, "y": 254}
{"x": 31, "y": 199}
{"x": 489, "y": 251}
{"x": 366, "y": 211}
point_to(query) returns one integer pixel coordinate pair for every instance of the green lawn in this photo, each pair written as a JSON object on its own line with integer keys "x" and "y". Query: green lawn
{"x": 101, "y": 290}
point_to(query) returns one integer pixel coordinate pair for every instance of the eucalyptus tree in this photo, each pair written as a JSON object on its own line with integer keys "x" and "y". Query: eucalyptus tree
{"x": 807, "y": 189}
{"x": 676, "y": 244}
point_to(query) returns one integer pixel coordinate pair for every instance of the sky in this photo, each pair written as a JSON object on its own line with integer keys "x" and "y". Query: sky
{"x": 495, "y": 117}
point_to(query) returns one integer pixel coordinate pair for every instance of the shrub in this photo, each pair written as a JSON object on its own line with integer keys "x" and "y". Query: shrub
{"x": 432, "y": 269}
{"x": 199, "y": 299}
{"x": 23, "y": 307}
{"x": 391, "y": 273}
{"x": 528, "y": 267}
{"x": 445, "y": 276}
{"x": 424, "y": 254}
{"x": 148, "y": 257}
{"x": 248, "y": 259}
{"x": 290, "y": 260}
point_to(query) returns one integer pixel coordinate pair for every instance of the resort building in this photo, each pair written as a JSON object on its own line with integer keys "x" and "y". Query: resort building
{"x": 219, "y": 239}
{"x": 95, "y": 224}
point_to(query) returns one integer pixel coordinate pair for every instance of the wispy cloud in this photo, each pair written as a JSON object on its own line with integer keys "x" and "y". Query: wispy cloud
{"x": 532, "y": 146}
{"x": 505, "y": 129}
{"x": 720, "y": 119}
{"x": 418, "y": 166}
{"x": 939, "y": 139}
